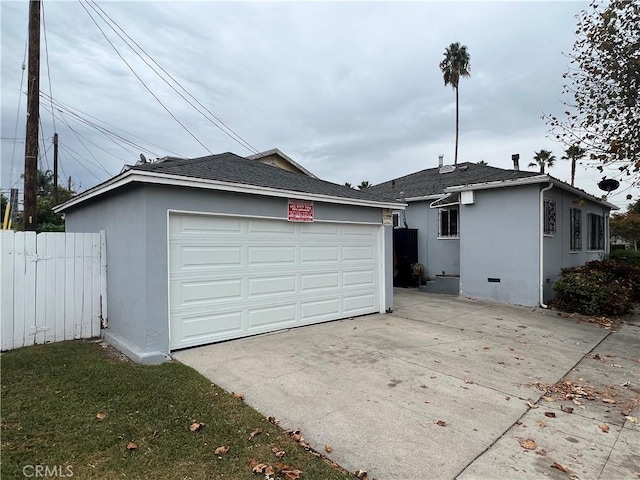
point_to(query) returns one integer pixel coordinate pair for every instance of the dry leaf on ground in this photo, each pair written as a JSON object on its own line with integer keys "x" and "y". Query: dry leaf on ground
{"x": 560, "y": 467}
{"x": 132, "y": 446}
{"x": 608, "y": 400}
{"x": 361, "y": 474}
{"x": 542, "y": 423}
{"x": 442, "y": 423}
{"x": 604, "y": 427}
{"x": 566, "y": 409}
{"x": 101, "y": 416}
{"x": 531, "y": 405}
{"x": 239, "y": 395}
{"x": 273, "y": 419}
{"x": 221, "y": 450}
{"x": 328, "y": 448}
{"x": 550, "y": 414}
{"x": 255, "y": 433}
{"x": 195, "y": 426}
{"x": 549, "y": 399}
{"x": 528, "y": 443}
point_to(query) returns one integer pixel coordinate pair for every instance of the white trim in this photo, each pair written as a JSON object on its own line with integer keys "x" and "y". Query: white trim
{"x": 541, "y": 246}
{"x": 382, "y": 264}
{"x": 144, "y": 176}
{"x": 168, "y": 226}
{"x": 436, "y": 196}
{"x": 530, "y": 181}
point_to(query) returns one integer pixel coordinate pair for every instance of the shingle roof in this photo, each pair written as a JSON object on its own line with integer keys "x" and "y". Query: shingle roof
{"x": 228, "y": 167}
{"x": 431, "y": 182}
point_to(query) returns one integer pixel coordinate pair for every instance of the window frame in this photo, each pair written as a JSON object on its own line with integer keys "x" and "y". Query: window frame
{"x": 597, "y": 221}
{"x": 550, "y": 218}
{"x": 575, "y": 229}
{"x": 448, "y": 210}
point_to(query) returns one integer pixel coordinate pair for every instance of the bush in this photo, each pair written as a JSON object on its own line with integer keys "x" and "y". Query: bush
{"x": 626, "y": 256}
{"x": 602, "y": 288}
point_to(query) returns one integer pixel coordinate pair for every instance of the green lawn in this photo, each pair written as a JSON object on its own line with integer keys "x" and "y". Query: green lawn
{"x": 51, "y": 395}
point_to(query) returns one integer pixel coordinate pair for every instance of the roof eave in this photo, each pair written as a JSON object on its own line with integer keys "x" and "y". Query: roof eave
{"x": 143, "y": 176}
{"x": 529, "y": 181}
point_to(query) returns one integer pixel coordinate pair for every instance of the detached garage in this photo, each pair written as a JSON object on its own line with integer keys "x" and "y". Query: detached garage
{"x": 221, "y": 247}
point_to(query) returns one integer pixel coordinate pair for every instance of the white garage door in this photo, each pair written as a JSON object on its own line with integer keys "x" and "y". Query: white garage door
{"x": 232, "y": 277}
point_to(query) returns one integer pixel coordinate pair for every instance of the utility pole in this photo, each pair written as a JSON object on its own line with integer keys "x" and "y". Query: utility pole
{"x": 69, "y": 186}
{"x": 55, "y": 168}
{"x": 33, "y": 111}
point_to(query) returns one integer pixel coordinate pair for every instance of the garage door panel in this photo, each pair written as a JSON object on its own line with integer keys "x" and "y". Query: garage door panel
{"x": 199, "y": 257}
{"x": 360, "y": 278}
{"x": 269, "y": 227}
{"x": 262, "y": 255}
{"x": 201, "y": 225}
{"x": 272, "y": 285}
{"x": 319, "y": 281}
{"x": 276, "y": 317}
{"x": 358, "y": 303}
{"x": 311, "y": 253}
{"x": 249, "y": 276}
{"x": 358, "y": 253}
{"x": 208, "y": 291}
{"x": 319, "y": 310}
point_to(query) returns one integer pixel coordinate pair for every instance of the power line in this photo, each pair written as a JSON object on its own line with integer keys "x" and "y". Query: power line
{"x": 46, "y": 51}
{"x": 142, "y": 81}
{"x": 13, "y": 151}
{"x": 44, "y": 147}
{"x": 63, "y": 147}
{"x": 229, "y": 131}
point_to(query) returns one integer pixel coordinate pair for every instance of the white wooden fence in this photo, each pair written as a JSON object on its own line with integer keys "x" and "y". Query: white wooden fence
{"x": 53, "y": 287}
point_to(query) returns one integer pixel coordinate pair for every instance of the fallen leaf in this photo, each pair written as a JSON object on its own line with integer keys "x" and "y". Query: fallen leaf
{"x": 255, "y": 433}
{"x": 328, "y": 448}
{"x": 239, "y": 395}
{"x": 529, "y": 444}
{"x": 292, "y": 474}
{"x": 512, "y": 349}
{"x": 566, "y": 409}
{"x": 221, "y": 450}
{"x": 531, "y": 405}
{"x": 268, "y": 472}
{"x": 507, "y": 398}
{"x": 132, "y": 446}
{"x": 195, "y": 426}
{"x": 297, "y": 437}
{"x": 549, "y": 399}
{"x": 361, "y": 474}
{"x": 632, "y": 419}
{"x": 259, "y": 468}
{"x": 560, "y": 467}
{"x": 542, "y": 423}
{"x": 273, "y": 419}
{"x": 486, "y": 348}
{"x": 101, "y": 416}
{"x": 576, "y": 401}
{"x": 542, "y": 452}
{"x": 617, "y": 365}
{"x": 277, "y": 452}
{"x": 550, "y": 414}
{"x": 608, "y": 400}
{"x": 604, "y": 427}
{"x": 466, "y": 380}
{"x": 442, "y": 423}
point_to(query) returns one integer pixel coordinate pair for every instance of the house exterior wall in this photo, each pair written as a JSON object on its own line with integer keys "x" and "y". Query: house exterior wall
{"x": 439, "y": 256}
{"x": 277, "y": 161}
{"x": 557, "y": 251}
{"x": 135, "y": 222}
{"x": 501, "y": 243}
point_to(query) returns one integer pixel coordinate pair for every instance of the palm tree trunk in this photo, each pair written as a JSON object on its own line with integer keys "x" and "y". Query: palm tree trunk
{"x": 573, "y": 170}
{"x": 455, "y": 158}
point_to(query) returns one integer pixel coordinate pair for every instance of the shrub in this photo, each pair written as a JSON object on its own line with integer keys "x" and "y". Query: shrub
{"x": 606, "y": 288}
{"x": 630, "y": 257}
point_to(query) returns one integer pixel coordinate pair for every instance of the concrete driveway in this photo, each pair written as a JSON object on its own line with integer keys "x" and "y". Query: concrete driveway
{"x": 376, "y": 387}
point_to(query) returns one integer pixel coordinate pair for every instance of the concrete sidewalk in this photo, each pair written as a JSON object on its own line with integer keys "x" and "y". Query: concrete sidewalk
{"x": 436, "y": 389}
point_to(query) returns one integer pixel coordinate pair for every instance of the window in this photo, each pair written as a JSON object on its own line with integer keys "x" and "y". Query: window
{"x": 575, "y": 217}
{"x": 549, "y": 217}
{"x": 595, "y": 224}
{"x": 396, "y": 219}
{"x": 448, "y": 225}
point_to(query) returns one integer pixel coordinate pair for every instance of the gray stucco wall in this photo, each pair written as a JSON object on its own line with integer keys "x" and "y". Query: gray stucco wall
{"x": 557, "y": 252}
{"x": 135, "y": 221}
{"x": 439, "y": 256}
{"x": 502, "y": 243}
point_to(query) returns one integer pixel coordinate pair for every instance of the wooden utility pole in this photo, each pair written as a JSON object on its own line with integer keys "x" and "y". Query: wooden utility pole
{"x": 69, "y": 186}
{"x": 33, "y": 111}
{"x": 55, "y": 168}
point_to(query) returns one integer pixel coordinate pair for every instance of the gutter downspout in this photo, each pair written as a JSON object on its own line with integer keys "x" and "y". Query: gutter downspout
{"x": 541, "y": 282}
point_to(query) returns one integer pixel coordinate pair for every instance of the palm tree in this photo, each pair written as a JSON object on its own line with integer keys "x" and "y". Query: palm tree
{"x": 483, "y": 163}
{"x": 347, "y": 184}
{"x": 364, "y": 185}
{"x": 455, "y": 65}
{"x": 574, "y": 153}
{"x": 543, "y": 158}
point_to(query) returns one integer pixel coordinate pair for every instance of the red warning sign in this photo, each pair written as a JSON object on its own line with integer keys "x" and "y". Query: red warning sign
{"x": 300, "y": 211}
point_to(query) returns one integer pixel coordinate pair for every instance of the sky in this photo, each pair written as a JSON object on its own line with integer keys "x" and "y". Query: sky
{"x": 350, "y": 90}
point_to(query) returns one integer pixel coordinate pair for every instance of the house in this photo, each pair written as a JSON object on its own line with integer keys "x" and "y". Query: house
{"x": 220, "y": 247}
{"x": 497, "y": 234}
{"x": 278, "y": 159}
